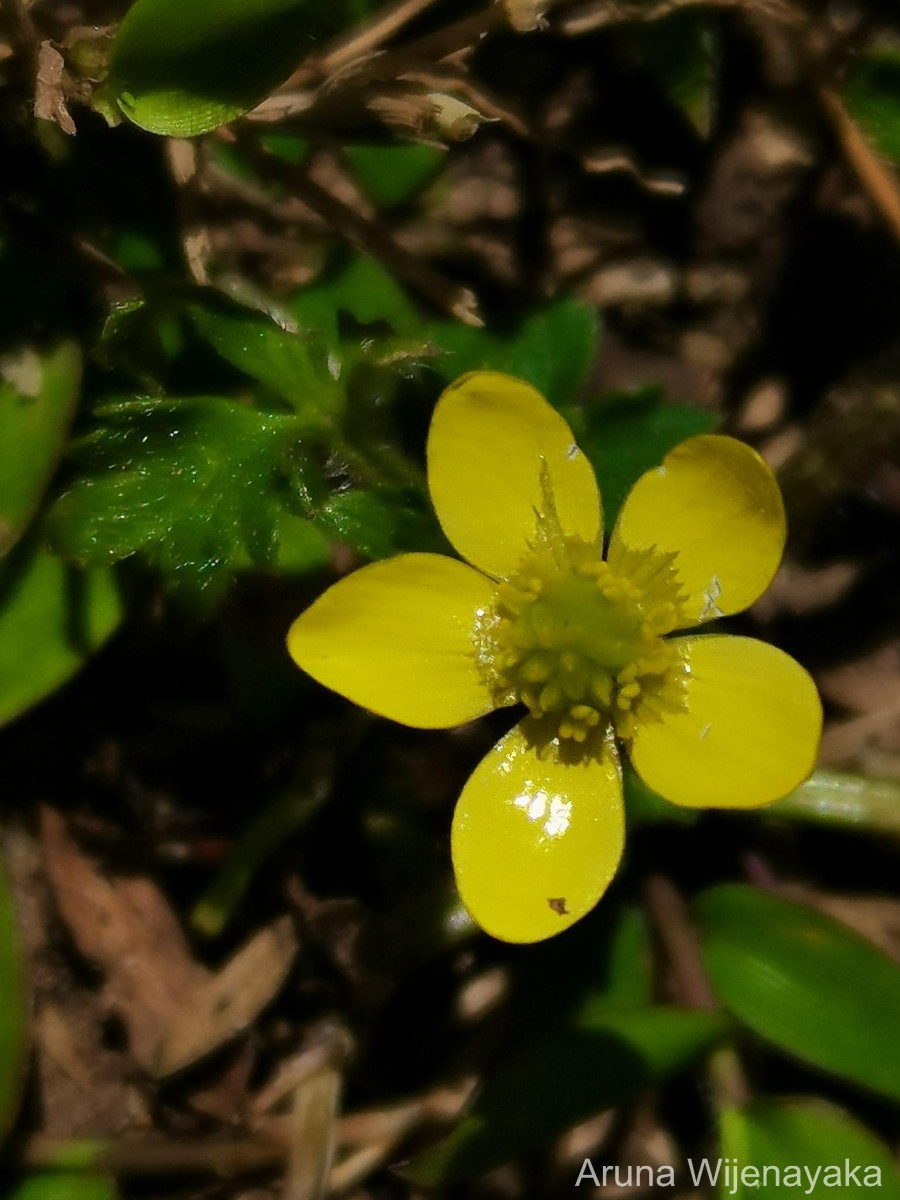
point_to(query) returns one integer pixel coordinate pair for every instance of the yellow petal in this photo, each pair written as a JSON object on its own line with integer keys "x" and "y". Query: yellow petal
{"x": 536, "y": 840}
{"x": 494, "y": 447}
{"x": 397, "y": 637}
{"x": 717, "y": 504}
{"x": 750, "y": 733}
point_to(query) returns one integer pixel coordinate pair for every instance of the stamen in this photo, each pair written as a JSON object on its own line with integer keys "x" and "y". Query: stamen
{"x": 578, "y": 640}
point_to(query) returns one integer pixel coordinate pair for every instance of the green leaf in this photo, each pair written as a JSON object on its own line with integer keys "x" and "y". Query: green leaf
{"x": 628, "y": 982}
{"x": 804, "y": 982}
{"x": 554, "y": 350}
{"x": 64, "y": 1185}
{"x": 38, "y": 394}
{"x": 625, "y": 434}
{"x": 559, "y": 1080}
{"x": 380, "y": 523}
{"x": 294, "y": 366}
{"x": 361, "y": 289}
{"x": 140, "y": 339}
{"x": 872, "y": 94}
{"x": 13, "y": 1010}
{"x": 184, "y": 67}
{"x": 197, "y": 485}
{"x": 52, "y": 617}
{"x": 394, "y": 174}
{"x": 302, "y": 547}
{"x": 806, "y": 1142}
{"x": 678, "y": 51}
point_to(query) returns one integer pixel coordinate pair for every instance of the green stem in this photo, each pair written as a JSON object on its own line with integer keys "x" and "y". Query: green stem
{"x": 846, "y": 801}
{"x": 277, "y": 821}
{"x": 400, "y": 467}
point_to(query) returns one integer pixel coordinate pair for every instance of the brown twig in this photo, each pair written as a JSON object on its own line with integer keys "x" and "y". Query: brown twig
{"x": 669, "y": 916}
{"x": 690, "y": 985}
{"x": 585, "y": 18}
{"x": 366, "y": 235}
{"x": 871, "y": 171}
{"x": 367, "y": 38}
{"x": 153, "y": 1155}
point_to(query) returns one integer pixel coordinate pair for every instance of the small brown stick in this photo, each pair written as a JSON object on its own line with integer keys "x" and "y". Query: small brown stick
{"x": 367, "y": 236}
{"x": 327, "y": 74}
{"x": 672, "y": 925}
{"x": 182, "y": 157}
{"x": 874, "y": 175}
{"x": 355, "y": 1169}
{"x": 153, "y": 1155}
{"x": 367, "y": 38}
{"x": 668, "y": 913}
{"x": 585, "y": 18}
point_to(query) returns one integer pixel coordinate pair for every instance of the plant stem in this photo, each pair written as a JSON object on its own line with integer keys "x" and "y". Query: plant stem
{"x": 689, "y": 982}
{"x": 152, "y": 1156}
{"x": 844, "y": 800}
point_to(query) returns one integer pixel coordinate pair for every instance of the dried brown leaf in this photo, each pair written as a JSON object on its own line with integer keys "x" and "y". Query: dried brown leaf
{"x": 127, "y": 928}
{"x": 49, "y": 89}
{"x": 228, "y": 1002}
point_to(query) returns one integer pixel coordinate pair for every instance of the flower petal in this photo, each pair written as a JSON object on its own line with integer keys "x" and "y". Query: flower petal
{"x": 717, "y": 504}
{"x": 494, "y": 446}
{"x": 536, "y": 840}
{"x": 750, "y": 733}
{"x": 397, "y": 637}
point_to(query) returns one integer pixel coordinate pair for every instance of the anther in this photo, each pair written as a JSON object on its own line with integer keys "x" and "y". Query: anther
{"x": 536, "y": 669}
{"x": 586, "y": 714}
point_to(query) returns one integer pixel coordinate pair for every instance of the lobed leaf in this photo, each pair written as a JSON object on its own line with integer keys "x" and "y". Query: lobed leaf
{"x": 380, "y": 523}
{"x": 362, "y": 289}
{"x": 198, "y": 485}
{"x": 295, "y": 366}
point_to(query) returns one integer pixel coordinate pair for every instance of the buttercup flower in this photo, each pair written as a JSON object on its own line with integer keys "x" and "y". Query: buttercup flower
{"x": 591, "y": 647}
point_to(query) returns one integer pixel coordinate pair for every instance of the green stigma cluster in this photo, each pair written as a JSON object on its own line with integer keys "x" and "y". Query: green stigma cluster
{"x": 579, "y": 643}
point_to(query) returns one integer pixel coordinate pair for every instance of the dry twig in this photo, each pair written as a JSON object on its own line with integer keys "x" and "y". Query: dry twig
{"x": 368, "y": 236}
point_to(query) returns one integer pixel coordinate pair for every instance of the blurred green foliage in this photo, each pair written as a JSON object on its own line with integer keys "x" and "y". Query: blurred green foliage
{"x": 64, "y": 1185}
{"x": 804, "y": 1133}
{"x": 873, "y": 96}
{"x": 805, "y": 982}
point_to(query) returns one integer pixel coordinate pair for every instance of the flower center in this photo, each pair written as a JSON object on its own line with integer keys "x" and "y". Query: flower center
{"x": 580, "y": 644}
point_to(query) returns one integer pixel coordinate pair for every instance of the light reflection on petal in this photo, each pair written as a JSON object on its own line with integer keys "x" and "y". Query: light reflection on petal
{"x": 538, "y": 804}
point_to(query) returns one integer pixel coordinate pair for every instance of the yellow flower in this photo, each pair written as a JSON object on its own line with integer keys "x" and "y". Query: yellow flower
{"x": 589, "y": 646}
